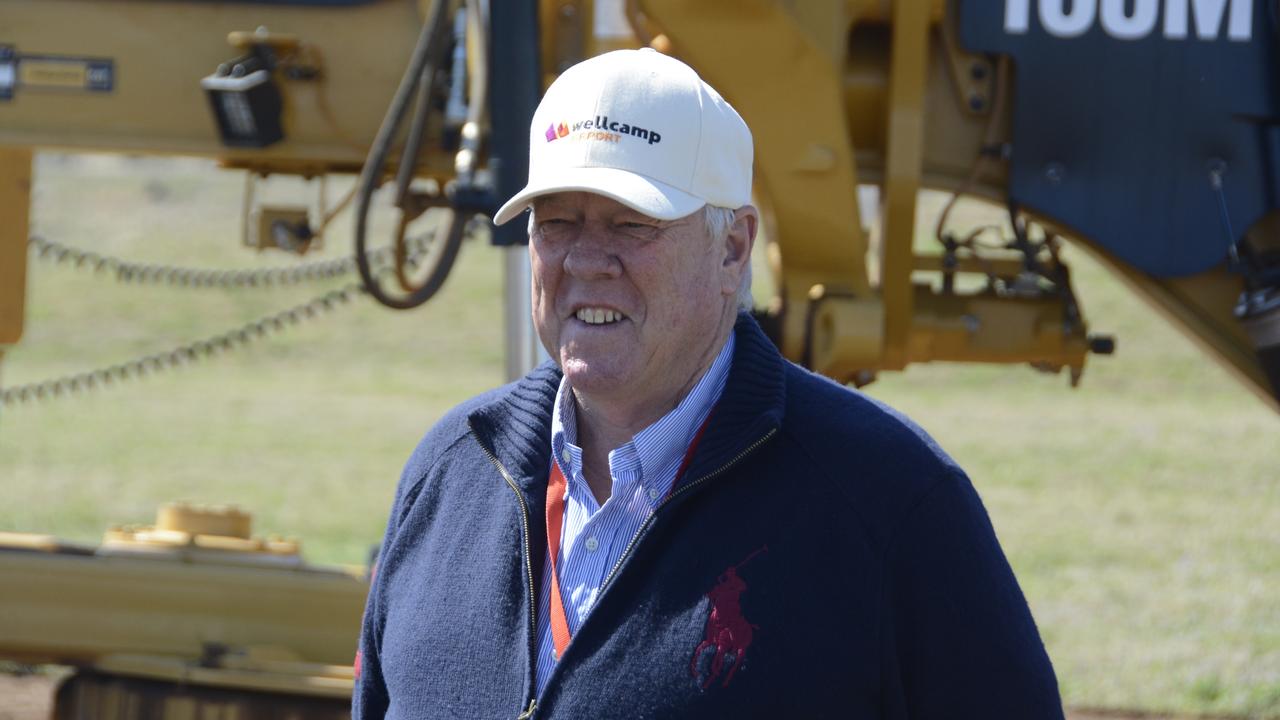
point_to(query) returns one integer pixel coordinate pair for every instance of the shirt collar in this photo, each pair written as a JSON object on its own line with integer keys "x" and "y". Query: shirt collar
{"x": 654, "y": 455}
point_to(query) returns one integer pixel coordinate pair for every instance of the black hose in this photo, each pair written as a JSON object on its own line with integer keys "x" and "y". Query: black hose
{"x": 420, "y": 72}
{"x": 417, "y": 132}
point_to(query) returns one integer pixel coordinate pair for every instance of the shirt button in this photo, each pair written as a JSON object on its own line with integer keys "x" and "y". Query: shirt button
{"x": 592, "y": 544}
{"x": 653, "y": 493}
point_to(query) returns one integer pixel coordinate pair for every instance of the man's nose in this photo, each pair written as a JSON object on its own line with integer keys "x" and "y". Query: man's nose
{"x": 592, "y": 257}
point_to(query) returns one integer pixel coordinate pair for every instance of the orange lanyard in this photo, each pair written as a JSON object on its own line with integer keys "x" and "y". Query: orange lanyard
{"x": 556, "y": 487}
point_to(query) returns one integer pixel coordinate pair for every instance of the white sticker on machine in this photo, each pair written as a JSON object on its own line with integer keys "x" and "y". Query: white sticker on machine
{"x": 65, "y": 73}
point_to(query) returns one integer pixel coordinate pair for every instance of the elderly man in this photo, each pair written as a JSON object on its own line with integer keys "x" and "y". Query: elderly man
{"x": 670, "y": 520}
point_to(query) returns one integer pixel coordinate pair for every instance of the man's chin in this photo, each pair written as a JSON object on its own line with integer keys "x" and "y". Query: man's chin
{"x": 593, "y": 376}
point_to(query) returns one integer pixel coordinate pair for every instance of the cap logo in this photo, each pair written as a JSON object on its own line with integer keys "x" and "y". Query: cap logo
{"x": 554, "y": 131}
{"x": 600, "y": 128}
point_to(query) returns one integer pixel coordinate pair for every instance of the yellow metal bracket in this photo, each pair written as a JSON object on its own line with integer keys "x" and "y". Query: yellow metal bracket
{"x": 904, "y": 157}
{"x": 15, "y": 208}
{"x": 566, "y": 33}
{"x": 972, "y": 75}
{"x": 782, "y": 66}
{"x": 279, "y": 42}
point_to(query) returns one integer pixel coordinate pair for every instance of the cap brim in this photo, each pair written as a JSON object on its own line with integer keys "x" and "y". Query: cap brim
{"x": 645, "y": 195}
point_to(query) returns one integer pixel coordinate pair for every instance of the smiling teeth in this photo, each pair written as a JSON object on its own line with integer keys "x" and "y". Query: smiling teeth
{"x": 596, "y": 316}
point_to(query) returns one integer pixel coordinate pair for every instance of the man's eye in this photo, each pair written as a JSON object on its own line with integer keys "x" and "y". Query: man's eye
{"x": 554, "y": 224}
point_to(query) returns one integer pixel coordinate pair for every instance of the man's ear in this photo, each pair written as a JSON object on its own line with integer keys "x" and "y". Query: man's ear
{"x": 738, "y": 243}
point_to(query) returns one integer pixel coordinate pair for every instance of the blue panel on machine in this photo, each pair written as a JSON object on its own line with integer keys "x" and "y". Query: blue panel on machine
{"x": 1124, "y": 111}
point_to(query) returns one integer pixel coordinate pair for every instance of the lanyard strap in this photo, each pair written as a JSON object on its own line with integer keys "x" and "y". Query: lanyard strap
{"x": 556, "y": 487}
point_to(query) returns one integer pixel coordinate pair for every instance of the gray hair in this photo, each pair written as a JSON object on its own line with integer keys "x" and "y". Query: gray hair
{"x": 719, "y": 220}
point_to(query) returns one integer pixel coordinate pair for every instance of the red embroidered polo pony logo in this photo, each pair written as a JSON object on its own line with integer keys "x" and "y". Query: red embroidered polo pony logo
{"x": 728, "y": 634}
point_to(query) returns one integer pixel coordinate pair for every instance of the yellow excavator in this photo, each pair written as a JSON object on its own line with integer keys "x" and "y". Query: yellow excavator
{"x": 1144, "y": 131}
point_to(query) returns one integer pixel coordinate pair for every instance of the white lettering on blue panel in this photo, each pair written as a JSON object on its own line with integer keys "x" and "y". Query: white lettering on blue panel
{"x": 1137, "y": 23}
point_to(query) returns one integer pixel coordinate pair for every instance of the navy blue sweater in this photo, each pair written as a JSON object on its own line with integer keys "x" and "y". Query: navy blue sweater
{"x": 821, "y": 557}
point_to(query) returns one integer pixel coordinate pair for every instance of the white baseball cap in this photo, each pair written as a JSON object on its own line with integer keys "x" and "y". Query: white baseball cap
{"x": 641, "y": 128}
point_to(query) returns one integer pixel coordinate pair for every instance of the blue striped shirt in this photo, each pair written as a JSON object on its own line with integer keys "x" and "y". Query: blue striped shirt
{"x": 643, "y": 470}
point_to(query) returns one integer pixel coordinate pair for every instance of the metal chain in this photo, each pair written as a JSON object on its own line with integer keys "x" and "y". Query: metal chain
{"x": 141, "y": 367}
{"x": 149, "y": 274}
{"x": 199, "y": 350}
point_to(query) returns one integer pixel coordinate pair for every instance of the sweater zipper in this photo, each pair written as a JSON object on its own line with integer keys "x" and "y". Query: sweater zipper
{"x": 528, "y": 563}
{"x": 648, "y": 522}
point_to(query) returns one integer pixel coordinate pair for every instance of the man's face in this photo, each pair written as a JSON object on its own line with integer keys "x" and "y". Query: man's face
{"x": 629, "y": 305}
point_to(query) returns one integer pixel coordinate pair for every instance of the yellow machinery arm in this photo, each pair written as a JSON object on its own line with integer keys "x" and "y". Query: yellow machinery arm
{"x": 843, "y": 93}
{"x": 190, "y": 615}
{"x": 195, "y": 584}
{"x": 838, "y": 93}
{"x": 340, "y": 64}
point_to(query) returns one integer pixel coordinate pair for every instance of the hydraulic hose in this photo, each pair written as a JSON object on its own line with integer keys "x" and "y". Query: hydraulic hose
{"x": 418, "y": 81}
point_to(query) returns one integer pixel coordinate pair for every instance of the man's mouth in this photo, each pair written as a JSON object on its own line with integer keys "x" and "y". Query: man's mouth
{"x": 598, "y": 316}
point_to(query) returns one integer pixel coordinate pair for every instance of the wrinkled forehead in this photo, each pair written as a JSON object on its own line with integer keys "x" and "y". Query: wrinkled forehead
{"x": 579, "y": 202}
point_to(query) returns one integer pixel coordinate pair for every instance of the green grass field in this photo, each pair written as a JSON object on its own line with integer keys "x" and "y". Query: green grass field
{"x": 1140, "y": 511}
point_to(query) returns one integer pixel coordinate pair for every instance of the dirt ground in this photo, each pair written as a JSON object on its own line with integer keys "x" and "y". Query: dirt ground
{"x": 30, "y": 697}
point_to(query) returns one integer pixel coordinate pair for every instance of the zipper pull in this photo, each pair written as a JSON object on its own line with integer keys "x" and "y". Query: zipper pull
{"x": 533, "y": 705}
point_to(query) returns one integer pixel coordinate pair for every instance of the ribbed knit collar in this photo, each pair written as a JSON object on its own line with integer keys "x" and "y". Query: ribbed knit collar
{"x": 516, "y": 427}
{"x": 652, "y": 456}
